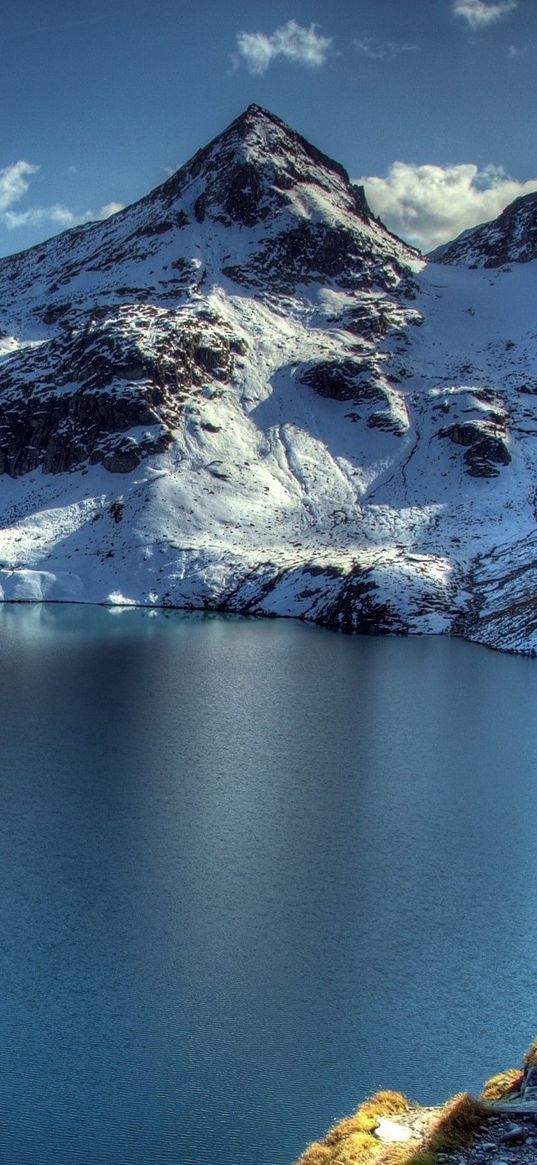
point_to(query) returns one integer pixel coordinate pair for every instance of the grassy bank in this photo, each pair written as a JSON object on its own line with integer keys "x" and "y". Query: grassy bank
{"x": 424, "y": 1135}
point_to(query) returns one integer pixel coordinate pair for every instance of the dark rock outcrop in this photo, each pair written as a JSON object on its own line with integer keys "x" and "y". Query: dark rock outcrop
{"x": 345, "y": 380}
{"x": 68, "y": 400}
{"x": 485, "y": 451}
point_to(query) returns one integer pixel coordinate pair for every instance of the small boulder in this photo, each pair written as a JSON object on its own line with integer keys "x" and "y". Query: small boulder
{"x": 392, "y": 1131}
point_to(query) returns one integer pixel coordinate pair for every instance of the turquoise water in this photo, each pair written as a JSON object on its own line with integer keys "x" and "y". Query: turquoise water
{"x": 251, "y": 871}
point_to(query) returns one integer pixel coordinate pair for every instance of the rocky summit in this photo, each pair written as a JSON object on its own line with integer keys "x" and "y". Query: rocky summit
{"x": 243, "y": 393}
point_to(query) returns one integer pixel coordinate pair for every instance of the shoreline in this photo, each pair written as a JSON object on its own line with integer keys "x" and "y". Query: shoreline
{"x": 389, "y": 1129}
{"x": 128, "y": 604}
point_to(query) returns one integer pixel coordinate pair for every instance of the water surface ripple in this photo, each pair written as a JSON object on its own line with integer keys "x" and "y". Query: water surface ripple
{"x": 251, "y": 871}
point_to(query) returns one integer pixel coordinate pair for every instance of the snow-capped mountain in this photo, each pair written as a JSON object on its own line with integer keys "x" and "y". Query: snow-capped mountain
{"x": 243, "y": 393}
{"x": 107, "y": 328}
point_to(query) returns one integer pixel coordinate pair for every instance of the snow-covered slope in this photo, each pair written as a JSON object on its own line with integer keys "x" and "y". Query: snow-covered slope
{"x": 243, "y": 393}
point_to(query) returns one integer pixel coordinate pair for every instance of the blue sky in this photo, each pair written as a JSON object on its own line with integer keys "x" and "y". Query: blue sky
{"x": 431, "y": 101}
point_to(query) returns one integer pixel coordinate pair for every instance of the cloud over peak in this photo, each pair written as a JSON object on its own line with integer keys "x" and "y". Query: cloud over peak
{"x": 292, "y": 42}
{"x": 15, "y": 183}
{"x": 480, "y": 13}
{"x": 429, "y": 205}
{"x": 56, "y": 216}
{"x": 382, "y": 50}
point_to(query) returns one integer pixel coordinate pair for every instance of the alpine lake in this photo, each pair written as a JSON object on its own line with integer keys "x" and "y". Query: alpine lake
{"x": 252, "y": 871}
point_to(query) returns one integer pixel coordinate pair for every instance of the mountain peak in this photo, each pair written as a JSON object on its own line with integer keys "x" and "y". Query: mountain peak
{"x": 273, "y": 130}
{"x": 253, "y": 119}
{"x": 258, "y": 210}
{"x": 259, "y": 168}
{"x": 259, "y": 138}
{"x": 259, "y": 113}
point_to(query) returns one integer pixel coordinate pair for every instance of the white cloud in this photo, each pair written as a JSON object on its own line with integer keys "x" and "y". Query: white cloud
{"x": 56, "y": 216}
{"x": 37, "y": 215}
{"x": 429, "y": 205}
{"x": 480, "y": 13}
{"x": 302, "y": 46}
{"x": 383, "y": 50}
{"x": 110, "y": 209}
{"x": 14, "y": 182}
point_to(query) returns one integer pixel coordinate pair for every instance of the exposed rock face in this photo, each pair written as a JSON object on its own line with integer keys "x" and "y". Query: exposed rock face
{"x": 485, "y": 451}
{"x": 315, "y": 250}
{"x": 70, "y": 399}
{"x": 344, "y": 380}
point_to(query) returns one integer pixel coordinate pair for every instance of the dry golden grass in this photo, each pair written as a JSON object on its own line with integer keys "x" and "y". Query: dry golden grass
{"x": 357, "y": 1149}
{"x": 351, "y": 1140}
{"x": 316, "y": 1154}
{"x": 339, "y": 1131}
{"x": 393, "y": 1155}
{"x": 344, "y": 1144}
{"x": 402, "y": 1155}
{"x": 457, "y": 1125}
{"x": 385, "y": 1103}
{"x": 502, "y": 1084}
{"x": 357, "y": 1123}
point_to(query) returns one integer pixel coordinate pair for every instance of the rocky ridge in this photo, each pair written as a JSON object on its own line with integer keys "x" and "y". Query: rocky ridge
{"x": 244, "y": 394}
{"x": 510, "y": 238}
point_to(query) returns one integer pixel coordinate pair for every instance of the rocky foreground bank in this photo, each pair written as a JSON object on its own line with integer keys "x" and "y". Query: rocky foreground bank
{"x": 498, "y": 1128}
